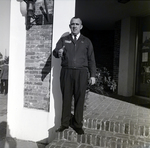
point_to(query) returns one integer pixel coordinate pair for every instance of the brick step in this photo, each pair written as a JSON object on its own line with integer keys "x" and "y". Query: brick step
{"x": 117, "y": 127}
{"x": 69, "y": 144}
{"x": 62, "y": 144}
{"x": 93, "y": 139}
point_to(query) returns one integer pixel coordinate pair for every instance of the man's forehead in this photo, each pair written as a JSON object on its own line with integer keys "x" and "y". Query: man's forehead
{"x": 76, "y": 20}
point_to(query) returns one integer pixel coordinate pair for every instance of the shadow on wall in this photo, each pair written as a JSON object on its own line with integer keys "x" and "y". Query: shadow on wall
{"x": 45, "y": 71}
{"x": 57, "y": 100}
{"x": 5, "y": 137}
{"x": 47, "y": 68}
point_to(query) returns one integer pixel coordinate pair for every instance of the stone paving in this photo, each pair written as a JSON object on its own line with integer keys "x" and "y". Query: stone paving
{"x": 109, "y": 123}
{"x": 106, "y": 108}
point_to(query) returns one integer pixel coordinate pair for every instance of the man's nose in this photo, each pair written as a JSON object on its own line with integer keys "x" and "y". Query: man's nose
{"x": 74, "y": 25}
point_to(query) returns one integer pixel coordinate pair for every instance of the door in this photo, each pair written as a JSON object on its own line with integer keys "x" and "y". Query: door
{"x": 143, "y": 58}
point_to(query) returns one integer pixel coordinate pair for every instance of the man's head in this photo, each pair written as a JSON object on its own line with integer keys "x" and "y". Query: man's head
{"x": 75, "y": 25}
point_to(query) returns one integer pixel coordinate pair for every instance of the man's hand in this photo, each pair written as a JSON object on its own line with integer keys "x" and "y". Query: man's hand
{"x": 60, "y": 52}
{"x": 92, "y": 80}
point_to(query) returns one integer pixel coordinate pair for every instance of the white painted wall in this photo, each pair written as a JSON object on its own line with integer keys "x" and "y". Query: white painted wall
{"x": 127, "y": 57}
{"x": 24, "y": 123}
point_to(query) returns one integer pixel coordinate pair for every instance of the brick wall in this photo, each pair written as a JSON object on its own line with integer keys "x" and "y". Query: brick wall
{"x": 38, "y": 64}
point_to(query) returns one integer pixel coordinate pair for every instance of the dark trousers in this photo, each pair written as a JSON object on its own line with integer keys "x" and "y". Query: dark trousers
{"x": 4, "y": 86}
{"x": 73, "y": 83}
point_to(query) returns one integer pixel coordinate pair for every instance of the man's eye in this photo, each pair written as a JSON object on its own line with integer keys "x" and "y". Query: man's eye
{"x": 75, "y": 24}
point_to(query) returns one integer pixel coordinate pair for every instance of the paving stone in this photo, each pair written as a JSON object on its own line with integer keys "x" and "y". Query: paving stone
{"x": 82, "y": 146}
{"x": 70, "y": 144}
{"x": 89, "y": 146}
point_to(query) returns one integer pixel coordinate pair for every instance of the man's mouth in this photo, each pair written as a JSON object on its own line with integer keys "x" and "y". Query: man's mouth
{"x": 74, "y": 29}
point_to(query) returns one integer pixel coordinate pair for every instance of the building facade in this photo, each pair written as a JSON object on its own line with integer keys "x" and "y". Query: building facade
{"x": 34, "y": 104}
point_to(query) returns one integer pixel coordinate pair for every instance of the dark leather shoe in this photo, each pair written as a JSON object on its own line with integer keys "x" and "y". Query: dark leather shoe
{"x": 79, "y": 131}
{"x": 61, "y": 129}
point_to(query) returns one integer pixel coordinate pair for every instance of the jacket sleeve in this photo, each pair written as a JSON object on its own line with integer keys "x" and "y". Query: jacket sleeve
{"x": 91, "y": 60}
{"x": 59, "y": 45}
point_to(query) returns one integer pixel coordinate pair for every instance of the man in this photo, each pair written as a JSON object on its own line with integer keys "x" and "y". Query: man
{"x": 77, "y": 59}
{"x": 4, "y": 77}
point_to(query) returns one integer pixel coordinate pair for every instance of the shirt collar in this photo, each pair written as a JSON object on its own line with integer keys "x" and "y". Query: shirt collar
{"x": 78, "y": 35}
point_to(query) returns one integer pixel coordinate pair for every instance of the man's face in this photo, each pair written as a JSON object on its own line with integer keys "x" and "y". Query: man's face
{"x": 75, "y": 26}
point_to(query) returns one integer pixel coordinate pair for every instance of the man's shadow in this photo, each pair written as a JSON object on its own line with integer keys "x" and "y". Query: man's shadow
{"x": 47, "y": 68}
{"x": 5, "y": 137}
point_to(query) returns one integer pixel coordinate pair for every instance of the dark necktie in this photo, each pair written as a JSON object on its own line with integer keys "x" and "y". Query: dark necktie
{"x": 75, "y": 38}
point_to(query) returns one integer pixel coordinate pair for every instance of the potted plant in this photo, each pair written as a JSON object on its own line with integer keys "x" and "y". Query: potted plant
{"x": 104, "y": 82}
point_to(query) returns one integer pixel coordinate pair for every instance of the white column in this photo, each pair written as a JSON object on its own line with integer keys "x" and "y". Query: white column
{"x": 127, "y": 57}
{"x": 24, "y": 123}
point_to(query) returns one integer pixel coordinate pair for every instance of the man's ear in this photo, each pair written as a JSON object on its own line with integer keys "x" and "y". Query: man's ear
{"x": 69, "y": 26}
{"x": 81, "y": 27}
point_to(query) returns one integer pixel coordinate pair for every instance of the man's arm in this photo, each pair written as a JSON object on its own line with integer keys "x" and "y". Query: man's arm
{"x": 91, "y": 64}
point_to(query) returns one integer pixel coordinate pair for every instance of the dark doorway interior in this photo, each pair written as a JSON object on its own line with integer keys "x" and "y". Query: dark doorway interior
{"x": 99, "y": 27}
{"x": 103, "y": 43}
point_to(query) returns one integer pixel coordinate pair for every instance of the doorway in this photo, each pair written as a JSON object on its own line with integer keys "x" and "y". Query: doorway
{"x": 101, "y": 15}
{"x": 143, "y": 58}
